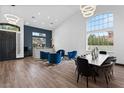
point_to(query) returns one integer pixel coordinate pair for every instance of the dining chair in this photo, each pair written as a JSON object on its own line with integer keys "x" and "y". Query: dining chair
{"x": 103, "y": 52}
{"x": 84, "y": 69}
{"x": 107, "y": 70}
{"x": 109, "y": 60}
{"x": 76, "y": 64}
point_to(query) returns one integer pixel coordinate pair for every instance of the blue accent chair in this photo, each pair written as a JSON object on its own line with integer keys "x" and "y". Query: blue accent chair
{"x": 44, "y": 55}
{"x": 62, "y": 52}
{"x": 72, "y": 54}
{"x": 54, "y": 58}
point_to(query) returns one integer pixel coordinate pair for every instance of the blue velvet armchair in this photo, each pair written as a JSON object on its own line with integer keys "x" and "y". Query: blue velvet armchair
{"x": 44, "y": 55}
{"x": 61, "y": 52}
{"x": 54, "y": 58}
{"x": 72, "y": 54}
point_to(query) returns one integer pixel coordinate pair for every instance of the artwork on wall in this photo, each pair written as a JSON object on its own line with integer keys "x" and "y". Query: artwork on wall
{"x": 38, "y": 42}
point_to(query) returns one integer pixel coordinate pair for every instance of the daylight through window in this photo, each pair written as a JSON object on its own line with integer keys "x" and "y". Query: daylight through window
{"x": 100, "y": 32}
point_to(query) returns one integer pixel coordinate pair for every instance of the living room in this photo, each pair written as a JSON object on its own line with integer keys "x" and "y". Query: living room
{"x": 45, "y": 46}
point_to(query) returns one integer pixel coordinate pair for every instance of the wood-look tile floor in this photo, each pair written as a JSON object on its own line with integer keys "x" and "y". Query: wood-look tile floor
{"x": 32, "y": 73}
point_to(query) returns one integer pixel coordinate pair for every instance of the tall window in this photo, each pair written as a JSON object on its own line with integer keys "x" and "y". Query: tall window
{"x": 100, "y": 32}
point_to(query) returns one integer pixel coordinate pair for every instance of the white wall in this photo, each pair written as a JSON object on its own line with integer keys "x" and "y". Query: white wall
{"x": 71, "y": 35}
{"x": 20, "y": 42}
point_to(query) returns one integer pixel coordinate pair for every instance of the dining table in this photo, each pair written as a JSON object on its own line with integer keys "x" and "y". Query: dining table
{"x": 98, "y": 61}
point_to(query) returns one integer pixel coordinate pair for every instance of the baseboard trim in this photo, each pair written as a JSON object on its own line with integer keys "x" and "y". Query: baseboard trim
{"x": 20, "y": 58}
{"x": 119, "y": 64}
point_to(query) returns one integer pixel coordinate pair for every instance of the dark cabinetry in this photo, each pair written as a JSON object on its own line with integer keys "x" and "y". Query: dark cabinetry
{"x": 7, "y": 45}
{"x": 27, "y": 52}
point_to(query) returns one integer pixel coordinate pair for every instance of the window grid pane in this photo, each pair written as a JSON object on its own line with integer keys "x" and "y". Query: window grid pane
{"x": 103, "y": 21}
{"x": 102, "y": 40}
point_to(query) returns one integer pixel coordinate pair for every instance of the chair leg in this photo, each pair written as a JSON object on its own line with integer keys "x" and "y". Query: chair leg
{"x": 109, "y": 77}
{"x": 78, "y": 77}
{"x": 94, "y": 79}
{"x": 87, "y": 82}
{"x": 112, "y": 73}
{"x": 106, "y": 79}
{"x": 75, "y": 70}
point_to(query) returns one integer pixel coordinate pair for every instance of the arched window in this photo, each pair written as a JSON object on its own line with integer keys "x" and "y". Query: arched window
{"x": 9, "y": 27}
{"x": 100, "y": 32}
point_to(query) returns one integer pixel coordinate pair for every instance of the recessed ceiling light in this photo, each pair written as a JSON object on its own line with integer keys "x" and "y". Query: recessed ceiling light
{"x": 51, "y": 23}
{"x": 33, "y": 17}
{"x": 39, "y": 13}
{"x": 48, "y": 17}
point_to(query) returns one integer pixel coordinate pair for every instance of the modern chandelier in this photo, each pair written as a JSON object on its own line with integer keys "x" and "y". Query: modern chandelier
{"x": 87, "y": 10}
{"x": 12, "y": 19}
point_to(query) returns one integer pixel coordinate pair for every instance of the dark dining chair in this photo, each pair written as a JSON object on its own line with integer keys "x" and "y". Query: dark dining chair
{"x": 103, "y": 52}
{"x": 110, "y": 60}
{"x": 84, "y": 69}
{"x": 107, "y": 70}
{"x": 76, "y": 63}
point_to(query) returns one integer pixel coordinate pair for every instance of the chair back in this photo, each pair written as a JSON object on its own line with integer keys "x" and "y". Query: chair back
{"x": 61, "y": 52}
{"x": 102, "y": 52}
{"x": 54, "y": 58}
{"x": 112, "y": 58}
{"x": 107, "y": 67}
{"x": 83, "y": 67}
{"x": 109, "y": 60}
{"x": 44, "y": 55}
{"x": 72, "y": 54}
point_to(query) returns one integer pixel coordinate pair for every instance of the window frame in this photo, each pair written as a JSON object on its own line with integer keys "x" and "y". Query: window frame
{"x": 4, "y": 27}
{"x": 99, "y": 30}
{"x": 39, "y": 34}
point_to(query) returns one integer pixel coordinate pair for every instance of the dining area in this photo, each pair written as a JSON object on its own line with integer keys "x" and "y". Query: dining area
{"x": 95, "y": 65}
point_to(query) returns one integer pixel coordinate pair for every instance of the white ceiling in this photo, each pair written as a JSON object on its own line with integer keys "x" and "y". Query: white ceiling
{"x": 45, "y": 16}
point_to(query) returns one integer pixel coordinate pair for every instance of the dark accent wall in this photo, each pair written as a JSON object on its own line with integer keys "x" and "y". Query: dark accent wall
{"x": 28, "y": 37}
